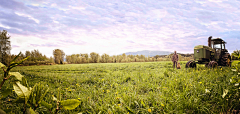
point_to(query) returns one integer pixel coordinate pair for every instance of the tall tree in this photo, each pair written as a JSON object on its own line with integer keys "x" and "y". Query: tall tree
{"x": 114, "y": 59}
{"x": 58, "y": 56}
{"x": 95, "y": 57}
{"x": 85, "y": 57}
{"x": 104, "y": 58}
{"x": 69, "y": 58}
{"x": 124, "y": 56}
{"x": 51, "y": 60}
{"x": 142, "y": 56}
{"x": 5, "y": 47}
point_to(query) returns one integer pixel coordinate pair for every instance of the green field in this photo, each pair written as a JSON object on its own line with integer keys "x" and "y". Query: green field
{"x": 149, "y": 87}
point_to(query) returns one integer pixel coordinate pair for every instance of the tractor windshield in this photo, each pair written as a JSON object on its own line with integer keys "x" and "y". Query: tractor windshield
{"x": 217, "y": 46}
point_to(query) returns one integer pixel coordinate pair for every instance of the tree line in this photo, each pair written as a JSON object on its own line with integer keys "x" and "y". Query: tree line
{"x": 59, "y": 57}
{"x": 105, "y": 58}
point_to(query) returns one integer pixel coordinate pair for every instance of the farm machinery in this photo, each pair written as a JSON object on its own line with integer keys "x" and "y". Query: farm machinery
{"x": 213, "y": 55}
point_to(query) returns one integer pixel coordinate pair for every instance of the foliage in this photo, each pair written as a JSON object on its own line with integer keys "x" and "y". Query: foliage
{"x": 152, "y": 87}
{"x": 35, "y": 58}
{"x": 5, "y": 47}
{"x": 105, "y": 58}
{"x": 58, "y": 56}
{"x": 29, "y": 100}
{"x": 95, "y": 57}
{"x": 236, "y": 54}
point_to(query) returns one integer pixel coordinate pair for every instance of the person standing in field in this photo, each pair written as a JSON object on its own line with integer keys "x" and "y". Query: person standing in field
{"x": 175, "y": 59}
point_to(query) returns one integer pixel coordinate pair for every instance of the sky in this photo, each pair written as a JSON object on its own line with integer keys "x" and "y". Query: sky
{"x": 118, "y": 26}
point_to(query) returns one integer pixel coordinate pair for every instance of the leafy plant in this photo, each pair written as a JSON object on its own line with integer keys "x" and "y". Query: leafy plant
{"x": 236, "y": 54}
{"x": 68, "y": 104}
{"x": 31, "y": 98}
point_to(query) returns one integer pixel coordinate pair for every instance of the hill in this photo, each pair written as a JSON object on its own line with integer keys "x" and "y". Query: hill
{"x": 149, "y": 53}
{"x": 183, "y": 55}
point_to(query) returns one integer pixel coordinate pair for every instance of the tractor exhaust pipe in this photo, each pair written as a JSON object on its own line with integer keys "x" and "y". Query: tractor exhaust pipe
{"x": 209, "y": 41}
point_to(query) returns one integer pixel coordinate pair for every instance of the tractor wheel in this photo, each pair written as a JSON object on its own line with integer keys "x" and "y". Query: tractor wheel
{"x": 212, "y": 64}
{"x": 191, "y": 64}
{"x": 226, "y": 60}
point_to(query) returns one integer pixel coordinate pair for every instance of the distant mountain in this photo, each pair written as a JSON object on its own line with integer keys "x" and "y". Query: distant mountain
{"x": 149, "y": 53}
{"x": 183, "y": 55}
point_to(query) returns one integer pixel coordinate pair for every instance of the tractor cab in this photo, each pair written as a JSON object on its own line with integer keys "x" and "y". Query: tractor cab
{"x": 219, "y": 46}
{"x": 218, "y": 43}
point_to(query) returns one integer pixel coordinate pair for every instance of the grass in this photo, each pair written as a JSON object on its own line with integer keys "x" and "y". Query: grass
{"x": 150, "y": 87}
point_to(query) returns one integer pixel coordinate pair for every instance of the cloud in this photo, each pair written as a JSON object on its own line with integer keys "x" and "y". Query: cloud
{"x": 15, "y": 46}
{"x": 28, "y": 16}
{"x": 44, "y": 45}
{"x": 119, "y": 26}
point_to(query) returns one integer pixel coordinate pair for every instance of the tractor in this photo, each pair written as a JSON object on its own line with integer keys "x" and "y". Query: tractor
{"x": 213, "y": 55}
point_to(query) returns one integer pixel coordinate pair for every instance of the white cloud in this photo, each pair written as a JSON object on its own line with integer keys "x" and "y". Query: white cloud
{"x": 216, "y": 0}
{"x": 26, "y": 15}
{"x": 4, "y": 26}
{"x": 80, "y": 8}
{"x": 114, "y": 27}
{"x": 35, "y": 4}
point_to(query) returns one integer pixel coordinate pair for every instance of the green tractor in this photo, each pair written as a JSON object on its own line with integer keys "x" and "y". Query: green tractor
{"x": 213, "y": 55}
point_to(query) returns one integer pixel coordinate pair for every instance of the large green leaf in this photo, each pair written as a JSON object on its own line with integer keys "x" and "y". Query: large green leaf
{"x": 13, "y": 64}
{"x": 15, "y": 58}
{"x": 21, "y": 91}
{"x": 23, "y": 60}
{"x": 30, "y": 111}
{"x": 70, "y": 104}
{"x": 24, "y": 82}
{"x": 17, "y": 75}
{"x": 2, "y": 65}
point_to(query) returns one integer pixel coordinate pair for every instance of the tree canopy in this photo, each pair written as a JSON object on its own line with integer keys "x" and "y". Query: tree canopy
{"x": 5, "y": 47}
{"x": 58, "y": 56}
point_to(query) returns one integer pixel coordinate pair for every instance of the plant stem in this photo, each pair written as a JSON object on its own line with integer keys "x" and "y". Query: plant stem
{"x": 3, "y": 69}
{"x": 57, "y": 107}
{"x": 4, "y": 79}
{"x": 24, "y": 111}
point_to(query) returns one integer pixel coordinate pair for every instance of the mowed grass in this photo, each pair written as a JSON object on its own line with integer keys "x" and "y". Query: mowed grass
{"x": 149, "y": 87}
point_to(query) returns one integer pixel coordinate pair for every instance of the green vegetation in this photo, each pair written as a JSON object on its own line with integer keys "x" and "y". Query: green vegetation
{"x": 150, "y": 87}
{"x": 5, "y": 47}
{"x": 236, "y": 54}
{"x": 28, "y": 99}
{"x": 105, "y": 58}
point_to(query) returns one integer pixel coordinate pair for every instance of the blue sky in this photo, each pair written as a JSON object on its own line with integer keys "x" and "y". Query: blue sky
{"x": 118, "y": 26}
